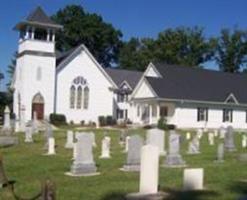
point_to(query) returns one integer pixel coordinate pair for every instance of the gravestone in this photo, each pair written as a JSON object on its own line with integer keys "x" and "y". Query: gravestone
{"x": 156, "y": 137}
{"x": 174, "y": 159}
{"x": 199, "y": 133}
{"x": 193, "y": 179}
{"x": 211, "y": 138}
{"x": 149, "y": 175}
{"x": 134, "y": 154}
{"x": 6, "y": 130}
{"x": 105, "y": 149}
{"x": 188, "y": 136}
{"x": 51, "y": 146}
{"x": 244, "y": 141}
{"x": 127, "y": 144}
{"x": 70, "y": 140}
{"x": 84, "y": 164}
{"x": 28, "y": 134}
{"x": 92, "y": 135}
{"x": 215, "y": 133}
{"x": 6, "y": 133}
{"x": 229, "y": 139}
{"x": 194, "y": 146}
{"x": 48, "y": 134}
{"x": 222, "y": 132}
{"x": 220, "y": 153}
{"x": 122, "y": 137}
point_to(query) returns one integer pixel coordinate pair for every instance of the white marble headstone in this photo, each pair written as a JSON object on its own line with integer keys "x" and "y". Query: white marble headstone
{"x": 193, "y": 179}
{"x": 105, "y": 148}
{"x": 70, "y": 140}
{"x": 149, "y": 174}
{"x": 156, "y": 137}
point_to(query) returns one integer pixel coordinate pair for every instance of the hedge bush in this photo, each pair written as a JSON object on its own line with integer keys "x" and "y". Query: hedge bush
{"x": 58, "y": 119}
{"x": 106, "y": 120}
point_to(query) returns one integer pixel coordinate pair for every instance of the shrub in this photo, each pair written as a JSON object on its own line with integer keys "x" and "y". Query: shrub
{"x": 82, "y": 122}
{"x": 58, "y": 119}
{"x": 162, "y": 123}
{"x": 102, "y": 121}
{"x": 110, "y": 121}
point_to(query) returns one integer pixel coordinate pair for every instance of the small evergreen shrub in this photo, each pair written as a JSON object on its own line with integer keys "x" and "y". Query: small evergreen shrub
{"x": 58, "y": 119}
{"x": 102, "y": 120}
{"x": 162, "y": 123}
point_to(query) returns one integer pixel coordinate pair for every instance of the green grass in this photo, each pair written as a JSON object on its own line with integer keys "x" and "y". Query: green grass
{"x": 28, "y": 167}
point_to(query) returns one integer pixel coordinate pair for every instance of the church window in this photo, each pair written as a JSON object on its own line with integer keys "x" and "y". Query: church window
{"x": 79, "y": 97}
{"x": 86, "y": 97}
{"x": 79, "y": 93}
{"x": 72, "y": 97}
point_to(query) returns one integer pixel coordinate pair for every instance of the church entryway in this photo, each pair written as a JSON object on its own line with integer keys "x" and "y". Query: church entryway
{"x": 38, "y": 106}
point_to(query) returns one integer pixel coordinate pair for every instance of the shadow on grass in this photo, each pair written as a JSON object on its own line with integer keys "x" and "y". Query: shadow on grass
{"x": 172, "y": 195}
{"x": 239, "y": 187}
{"x": 114, "y": 196}
{"x": 189, "y": 195}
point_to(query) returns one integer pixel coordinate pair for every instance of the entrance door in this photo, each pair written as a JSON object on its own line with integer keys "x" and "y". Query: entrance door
{"x": 38, "y": 106}
{"x": 39, "y": 109}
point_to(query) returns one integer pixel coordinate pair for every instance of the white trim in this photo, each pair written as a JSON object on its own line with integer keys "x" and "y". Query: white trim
{"x": 188, "y": 101}
{"x": 143, "y": 79}
{"x": 75, "y": 52}
{"x": 231, "y": 96}
{"x": 151, "y": 65}
{"x": 125, "y": 82}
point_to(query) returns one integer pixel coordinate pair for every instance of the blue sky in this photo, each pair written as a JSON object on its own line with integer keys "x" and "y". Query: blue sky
{"x": 139, "y": 18}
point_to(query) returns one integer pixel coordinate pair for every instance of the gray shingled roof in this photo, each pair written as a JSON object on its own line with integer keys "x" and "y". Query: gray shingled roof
{"x": 121, "y": 75}
{"x": 38, "y": 17}
{"x": 198, "y": 84}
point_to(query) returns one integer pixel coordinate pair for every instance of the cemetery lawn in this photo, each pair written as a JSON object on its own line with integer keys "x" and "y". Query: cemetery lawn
{"x": 28, "y": 167}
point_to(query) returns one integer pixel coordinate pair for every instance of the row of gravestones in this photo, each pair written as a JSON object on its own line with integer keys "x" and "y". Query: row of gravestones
{"x": 84, "y": 165}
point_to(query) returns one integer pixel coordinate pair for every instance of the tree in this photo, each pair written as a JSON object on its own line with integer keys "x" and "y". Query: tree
{"x": 184, "y": 46}
{"x": 231, "y": 50}
{"x": 11, "y": 69}
{"x": 1, "y": 78}
{"x": 136, "y": 53}
{"x": 101, "y": 38}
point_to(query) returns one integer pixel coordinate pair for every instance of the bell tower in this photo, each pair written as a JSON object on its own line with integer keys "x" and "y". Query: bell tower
{"x": 34, "y": 79}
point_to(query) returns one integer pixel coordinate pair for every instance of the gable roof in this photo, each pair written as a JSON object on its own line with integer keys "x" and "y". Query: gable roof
{"x": 39, "y": 18}
{"x": 121, "y": 75}
{"x": 64, "y": 58}
{"x": 184, "y": 83}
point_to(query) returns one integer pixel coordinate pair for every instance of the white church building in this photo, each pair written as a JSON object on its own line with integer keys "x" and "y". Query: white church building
{"x": 76, "y": 85}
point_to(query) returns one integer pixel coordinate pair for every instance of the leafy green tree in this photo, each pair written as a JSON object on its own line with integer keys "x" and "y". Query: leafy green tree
{"x": 184, "y": 46}
{"x": 102, "y": 39}
{"x": 11, "y": 69}
{"x": 136, "y": 53}
{"x": 1, "y": 78}
{"x": 231, "y": 50}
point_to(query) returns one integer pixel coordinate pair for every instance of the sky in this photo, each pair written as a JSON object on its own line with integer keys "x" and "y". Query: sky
{"x": 135, "y": 18}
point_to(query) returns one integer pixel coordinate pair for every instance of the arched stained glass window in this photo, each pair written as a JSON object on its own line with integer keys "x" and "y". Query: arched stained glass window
{"x": 79, "y": 93}
{"x": 72, "y": 96}
{"x": 79, "y": 97}
{"x": 86, "y": 97}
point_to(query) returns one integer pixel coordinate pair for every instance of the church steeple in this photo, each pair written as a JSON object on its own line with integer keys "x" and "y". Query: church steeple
{"x": 38, "y": 26}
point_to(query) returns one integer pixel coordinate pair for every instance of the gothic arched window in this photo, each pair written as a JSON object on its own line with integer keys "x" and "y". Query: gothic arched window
{"x": 72, "y": 96}
{"x": 86, "y": 97}
{"x": 79, "y": 93}
{"x": 79, "y": 97}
